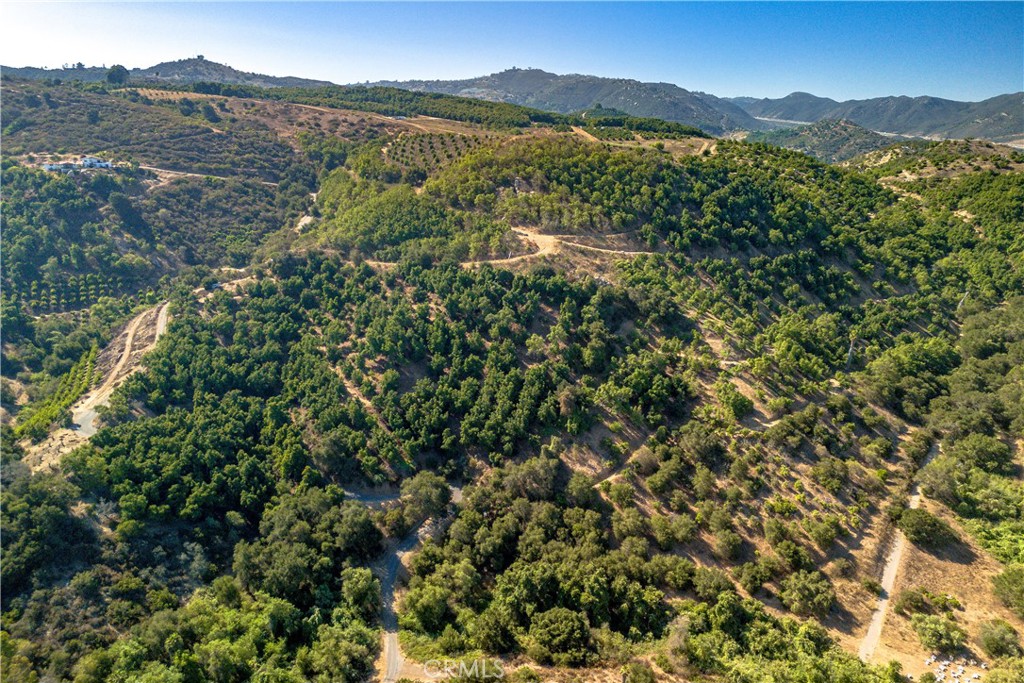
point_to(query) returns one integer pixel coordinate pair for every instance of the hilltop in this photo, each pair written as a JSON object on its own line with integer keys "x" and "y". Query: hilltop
{"x": 1000, "y": 119}
{"x": 574, "y": 92}
{"x": 182, "y": 71}
{"x": 829, "y": 140}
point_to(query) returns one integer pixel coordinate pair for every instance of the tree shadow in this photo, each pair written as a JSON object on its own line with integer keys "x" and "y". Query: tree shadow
{"x": 949, "y": 550}
{"x": 841, "y": 619}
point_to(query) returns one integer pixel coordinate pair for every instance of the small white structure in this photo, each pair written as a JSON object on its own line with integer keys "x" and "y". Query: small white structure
{"x": 93, "y": 162}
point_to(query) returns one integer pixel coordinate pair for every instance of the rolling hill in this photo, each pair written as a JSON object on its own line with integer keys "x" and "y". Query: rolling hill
{"x": 182, "y": 71}
{"x": 829, "y": 140}
{"x": 574, "y": 92}
{"x": 651, "y": 407}
{"x": 1000, "y": 119}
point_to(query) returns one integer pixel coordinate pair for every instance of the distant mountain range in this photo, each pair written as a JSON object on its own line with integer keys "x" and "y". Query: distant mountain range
{"x": 829, "y": 140}
{"x": 191, "y": 70}
{"x": 574, "y": 92}
{"x": 1000, "y": 119}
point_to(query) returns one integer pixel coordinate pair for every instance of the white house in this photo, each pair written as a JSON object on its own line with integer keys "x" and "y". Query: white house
{"x": 93, "y": 162}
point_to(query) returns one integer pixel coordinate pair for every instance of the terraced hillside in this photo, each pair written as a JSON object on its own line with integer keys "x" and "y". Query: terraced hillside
{"x": 638, "y": 408}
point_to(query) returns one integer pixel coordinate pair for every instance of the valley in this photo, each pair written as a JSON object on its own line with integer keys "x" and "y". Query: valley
{"x": 325, "y": 383}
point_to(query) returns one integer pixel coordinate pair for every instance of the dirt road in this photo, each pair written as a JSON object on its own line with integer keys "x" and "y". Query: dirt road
{"x": 392, "y": 665}
{"x": 166, "y": 174}
{"x": 391, "y": 651}
{"x": 83, "y": 416}
{"x": 149, "y": 325}
{"x": 889, "y": 575}
{"x": 584, "y": 134}
{"x": 547, "y": 244}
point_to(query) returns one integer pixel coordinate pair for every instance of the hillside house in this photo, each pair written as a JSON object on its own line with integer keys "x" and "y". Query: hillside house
{"x": 93, "y": 162}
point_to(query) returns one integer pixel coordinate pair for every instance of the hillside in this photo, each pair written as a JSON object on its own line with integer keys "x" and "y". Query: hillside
{"x": 574, "y": 92}
{"x": 591, "y": 400}
{"x": 182, "y": 71}
{"x": 827, "y": 140}
{"x": 1000, "y": 119}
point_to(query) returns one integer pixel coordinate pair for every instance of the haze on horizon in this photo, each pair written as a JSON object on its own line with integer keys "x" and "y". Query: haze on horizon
{"x": 962, "y": 51}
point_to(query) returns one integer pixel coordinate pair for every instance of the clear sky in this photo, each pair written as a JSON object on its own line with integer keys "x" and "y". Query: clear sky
{"x": 958, "y": 50}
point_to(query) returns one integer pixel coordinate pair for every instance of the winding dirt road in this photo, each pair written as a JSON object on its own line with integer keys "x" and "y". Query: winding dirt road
{"x": 166, "y": 174}
{"x": 83, "y": 416}
{"x": 391, "y": 651}
{"x": 47, "y": 454}
{"x": 392, "y": 665}
{"x": 889, "y": 575}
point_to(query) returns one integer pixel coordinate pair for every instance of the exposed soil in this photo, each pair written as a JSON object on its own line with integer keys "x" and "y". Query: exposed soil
{"x": 116, "y": 362}
{"x": 889, "y": 575}
{"x": 548, "y": 245}
{"x": 964, "y": 571}
{"x": 166, "y": 175}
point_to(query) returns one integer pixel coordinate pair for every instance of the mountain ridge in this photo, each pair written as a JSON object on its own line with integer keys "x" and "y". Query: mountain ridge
{"x": 189, "y": 70}
{"x": 573, "y": 92}
{"x": 828, "y": 140}
{"x": 999, "y": 118}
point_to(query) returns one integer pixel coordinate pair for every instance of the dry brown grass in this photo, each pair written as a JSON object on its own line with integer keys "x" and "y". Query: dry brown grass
{"x": 965, "y": 572}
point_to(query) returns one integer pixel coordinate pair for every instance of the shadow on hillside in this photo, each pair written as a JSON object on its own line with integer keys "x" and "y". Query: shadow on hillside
{"x": 841, "y": 619}
{"x": 953, "y": 550}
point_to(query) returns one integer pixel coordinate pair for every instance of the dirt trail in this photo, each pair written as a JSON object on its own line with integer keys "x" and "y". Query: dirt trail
{"x": 584, "y": 134}
{"x": 166, "y": 175}
{"x": 890, "y": 574}
{"x": 149, "y": 324}
{"x": 161, "y": 320}
{"x": 392, "y": 662}
{"x": 392, "y": 665}
{"x": 546, "y": 245}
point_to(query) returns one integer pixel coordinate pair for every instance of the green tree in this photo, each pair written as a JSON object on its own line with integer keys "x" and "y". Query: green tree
{"x": 562, "y": 633}
{"x": 117, "y": 75}
{"x": 998, "y": 638}
{"x": 806, "y": 593}
{"x": 342, "y": 653}
{"x": 938, "y": 632}
{"x": 424, "y": 495}
{"x": 1009, "y": 587}
{"x": 925, "y": 529}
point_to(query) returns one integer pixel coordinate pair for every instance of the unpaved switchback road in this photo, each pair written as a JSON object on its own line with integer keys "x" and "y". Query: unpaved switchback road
{"x": 138, "y": 338}
{"x": 889, "y": 574}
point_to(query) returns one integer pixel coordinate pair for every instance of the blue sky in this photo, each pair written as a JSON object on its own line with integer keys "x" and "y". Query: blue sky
{"x": 958, "y": 50}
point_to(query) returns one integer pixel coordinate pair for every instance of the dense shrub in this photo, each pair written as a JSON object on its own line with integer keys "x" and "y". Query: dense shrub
{"x": 805, "y": 593}
{"x": 998, "y": 638}
{"x": 938, "y": 632}
{"x": 925, "y": 529}
{"x": 1009, "y": 587}
{"x": 562, "y": 633}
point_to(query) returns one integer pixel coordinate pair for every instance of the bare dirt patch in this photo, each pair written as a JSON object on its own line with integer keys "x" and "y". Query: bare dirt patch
{"x": 964, "y": 572}
{"x": 115, "y": 363}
